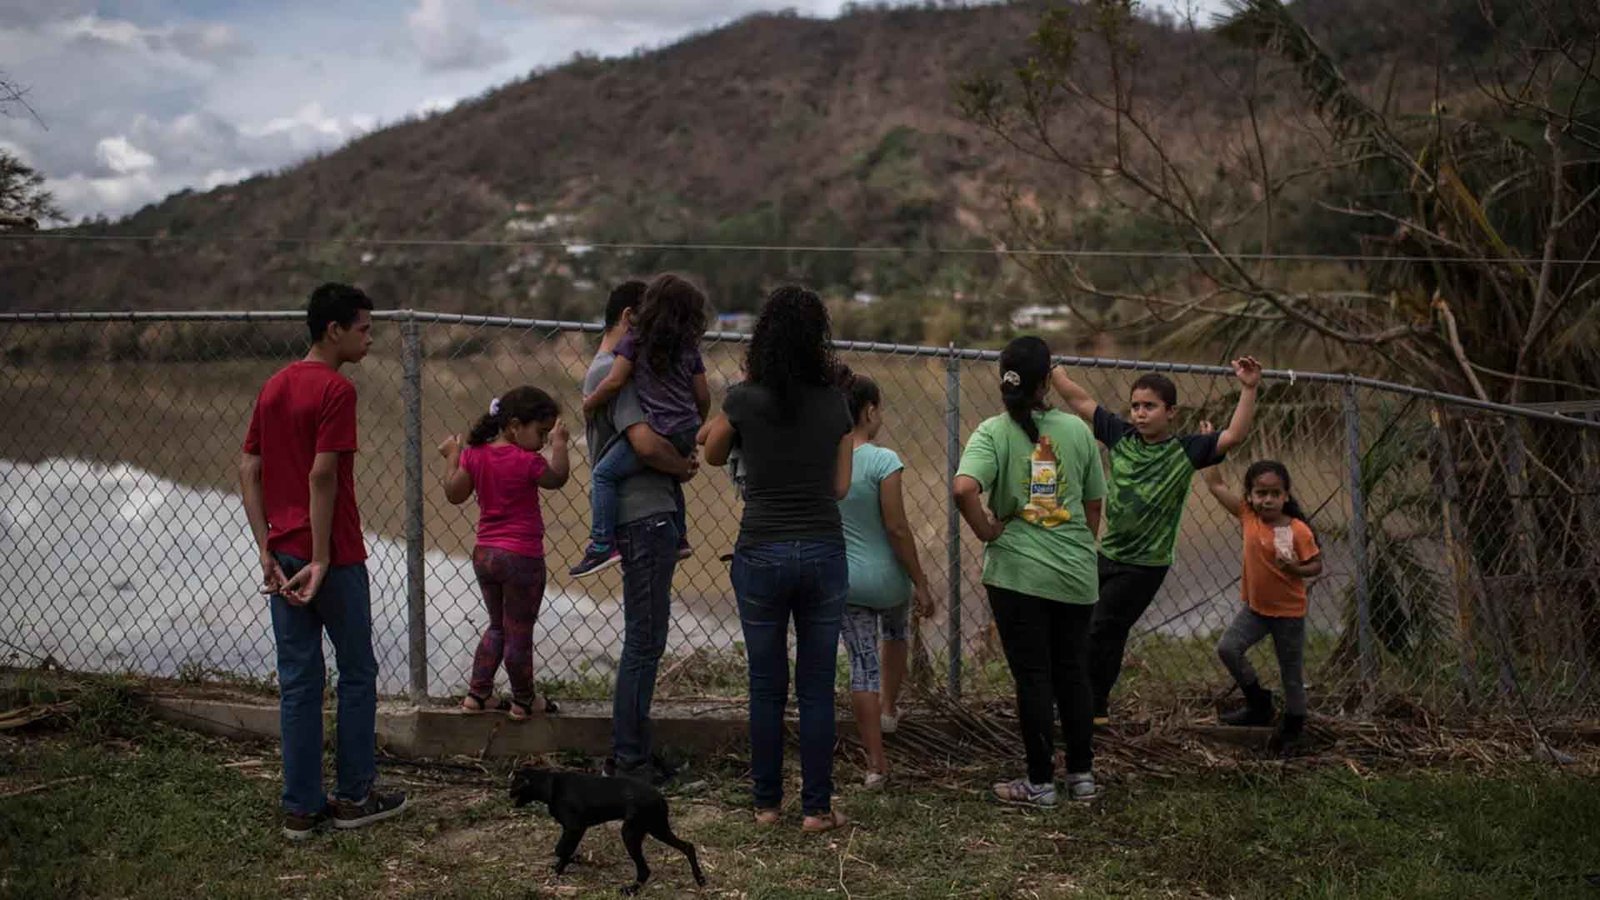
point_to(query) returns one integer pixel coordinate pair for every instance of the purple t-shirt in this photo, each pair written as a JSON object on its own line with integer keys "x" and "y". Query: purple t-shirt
{"x": 667, "y": 398}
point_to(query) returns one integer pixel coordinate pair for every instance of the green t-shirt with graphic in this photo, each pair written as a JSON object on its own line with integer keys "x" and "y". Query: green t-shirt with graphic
{"x": 1047, "y": 549}
{"x": 1149, "y": 484}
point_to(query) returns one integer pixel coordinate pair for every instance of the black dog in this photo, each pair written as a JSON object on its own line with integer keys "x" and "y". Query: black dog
{"x": 580, "y": 801}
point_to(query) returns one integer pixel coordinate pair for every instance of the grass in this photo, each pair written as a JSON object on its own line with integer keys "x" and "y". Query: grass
{"x": 111, "y": 805}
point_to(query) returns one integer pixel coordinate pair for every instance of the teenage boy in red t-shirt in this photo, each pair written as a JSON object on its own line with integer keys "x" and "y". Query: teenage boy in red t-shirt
{"x": 297, "y": 478}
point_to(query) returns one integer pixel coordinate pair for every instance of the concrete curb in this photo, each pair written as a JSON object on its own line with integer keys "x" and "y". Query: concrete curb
{"x": 424, "y": 732}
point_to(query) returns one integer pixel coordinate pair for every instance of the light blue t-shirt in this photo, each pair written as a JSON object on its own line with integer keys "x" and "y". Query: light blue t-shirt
{"x": 876, "y": 579}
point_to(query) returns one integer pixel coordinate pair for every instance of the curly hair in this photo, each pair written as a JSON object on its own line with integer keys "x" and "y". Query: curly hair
{"x": 521, "y": 404}
{"x": 792, "y": 344}
{"x": 671, "y": 320}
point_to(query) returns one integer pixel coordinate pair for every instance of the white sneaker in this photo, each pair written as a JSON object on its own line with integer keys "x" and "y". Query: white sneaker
{"x": 889, "y": 723}
{"x": 876, "y": 781}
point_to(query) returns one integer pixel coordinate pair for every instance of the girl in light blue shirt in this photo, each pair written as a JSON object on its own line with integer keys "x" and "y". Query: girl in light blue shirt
{"x": 885, "y": 577}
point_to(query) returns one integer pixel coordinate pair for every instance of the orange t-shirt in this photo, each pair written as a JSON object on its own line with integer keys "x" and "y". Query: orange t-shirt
{"x": 1266, "y": 588}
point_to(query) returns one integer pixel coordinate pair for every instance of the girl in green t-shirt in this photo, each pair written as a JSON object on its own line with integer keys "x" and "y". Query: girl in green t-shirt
{"x": 1040, "y": 472}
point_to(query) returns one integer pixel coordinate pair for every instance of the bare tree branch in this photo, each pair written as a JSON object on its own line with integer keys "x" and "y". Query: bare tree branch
{"x": 1552, "y": 238}
{"x": 1453, "y": 337}
{"x": 14, "y": 96}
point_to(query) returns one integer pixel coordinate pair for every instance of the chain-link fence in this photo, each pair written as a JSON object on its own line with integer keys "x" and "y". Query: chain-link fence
{"x": 1461, "y": 539}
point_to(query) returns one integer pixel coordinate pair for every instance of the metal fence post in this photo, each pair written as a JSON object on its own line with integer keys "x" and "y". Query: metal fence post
{"x": 1526, "y": 536}
{"x": 416, "y": 595}
{"x": 952, "y": 422}
{"x": 1589, "y": 450}
{"x": 1358, "y": 540}
{"x": 1468, "y": 600}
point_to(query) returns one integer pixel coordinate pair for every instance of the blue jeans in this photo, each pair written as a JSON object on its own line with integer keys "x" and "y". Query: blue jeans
{"x": 808, "y": 581}
{"x": 649, "y": 548}
{"x": 618, "y": 462}
{"x": 342, "y": 607}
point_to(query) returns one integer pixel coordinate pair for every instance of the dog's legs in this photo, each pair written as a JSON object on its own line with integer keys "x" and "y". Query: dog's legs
{"x": 633, "y": 838}
{"x": 567, "y": 846}
{"x": 662, "y": 832}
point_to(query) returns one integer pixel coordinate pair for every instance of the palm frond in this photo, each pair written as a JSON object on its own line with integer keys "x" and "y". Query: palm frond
{"x": 1267, "y": 25}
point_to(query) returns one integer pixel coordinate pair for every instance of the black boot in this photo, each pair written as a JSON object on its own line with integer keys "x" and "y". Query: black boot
{"x": 1257, "y": 709}
{"x": 1291, "y": 731}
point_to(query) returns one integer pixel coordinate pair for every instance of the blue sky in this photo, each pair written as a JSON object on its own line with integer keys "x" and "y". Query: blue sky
{"x": 141, "y": 98}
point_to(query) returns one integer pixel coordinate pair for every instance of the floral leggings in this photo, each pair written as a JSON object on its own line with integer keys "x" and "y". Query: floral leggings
{"x": 512, "y": 587}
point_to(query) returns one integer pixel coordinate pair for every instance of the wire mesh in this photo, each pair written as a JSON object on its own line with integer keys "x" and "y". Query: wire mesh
{"x": 125, "y": 548}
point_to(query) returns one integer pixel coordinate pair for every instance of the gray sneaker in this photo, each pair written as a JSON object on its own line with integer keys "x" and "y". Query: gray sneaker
{"x": 1082, "y": 787}
{"x": 375, "y": 808}
{"x": 1024, "y": 793}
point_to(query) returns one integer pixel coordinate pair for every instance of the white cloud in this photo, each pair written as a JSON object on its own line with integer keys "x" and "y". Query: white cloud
{"x": 210, "y": 42}
{"x": 218, "y": 177}
{"x": 156, "y": 156}
{"x": 448, "y": 35}
{"x": 121, "y": 157}
{"x": 308, "y": 119}
{"x": 107, "y": 31}
{"x": 434, "y": 105}
{"x": 82, "y": 194}
{"x": 19, "y": 152}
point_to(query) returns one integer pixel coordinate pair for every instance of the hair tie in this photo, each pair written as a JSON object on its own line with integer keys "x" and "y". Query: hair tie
{"x": 1011, "y": 377}
{"x": 494, "y": 407}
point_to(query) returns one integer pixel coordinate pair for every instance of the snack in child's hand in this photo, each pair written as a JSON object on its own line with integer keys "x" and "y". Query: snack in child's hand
{"x": 1283, "y": 542}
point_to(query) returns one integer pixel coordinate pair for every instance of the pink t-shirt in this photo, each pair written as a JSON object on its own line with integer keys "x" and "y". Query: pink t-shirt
{"x": 506, "y": 478}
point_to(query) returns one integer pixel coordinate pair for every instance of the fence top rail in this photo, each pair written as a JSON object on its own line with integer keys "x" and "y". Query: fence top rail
{"x": 950, "y": 352}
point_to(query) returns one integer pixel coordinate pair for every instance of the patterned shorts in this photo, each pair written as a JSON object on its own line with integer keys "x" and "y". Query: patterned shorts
{"x": 860, "y": 633}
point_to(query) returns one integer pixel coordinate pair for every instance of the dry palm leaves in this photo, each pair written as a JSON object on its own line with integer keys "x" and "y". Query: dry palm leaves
{"x": 23, "y": 716}
{"x": 948, "y": 738}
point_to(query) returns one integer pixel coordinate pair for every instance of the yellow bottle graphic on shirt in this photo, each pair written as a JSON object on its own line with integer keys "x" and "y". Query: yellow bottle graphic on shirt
{"x": 1043, "y": 509}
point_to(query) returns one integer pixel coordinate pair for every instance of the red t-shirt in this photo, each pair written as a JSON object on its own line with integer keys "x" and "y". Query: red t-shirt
{"x": 306, "y": 409}
{"x": 506, "y": 478}
{"x": 1266, "y": 588}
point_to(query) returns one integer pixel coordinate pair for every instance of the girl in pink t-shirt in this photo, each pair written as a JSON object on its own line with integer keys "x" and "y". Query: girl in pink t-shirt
{"x": 501, "y": 463}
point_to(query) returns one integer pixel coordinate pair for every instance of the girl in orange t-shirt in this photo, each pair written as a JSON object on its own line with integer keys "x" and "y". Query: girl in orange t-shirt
{"x": 1280, "y": 553}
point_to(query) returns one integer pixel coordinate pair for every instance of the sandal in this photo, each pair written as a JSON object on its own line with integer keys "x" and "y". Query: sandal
{"x": 826, "y": 822}
{"x": 521, "y": 712}
{"x": 768, "y": 817}
{"x": 473, "y": 703}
